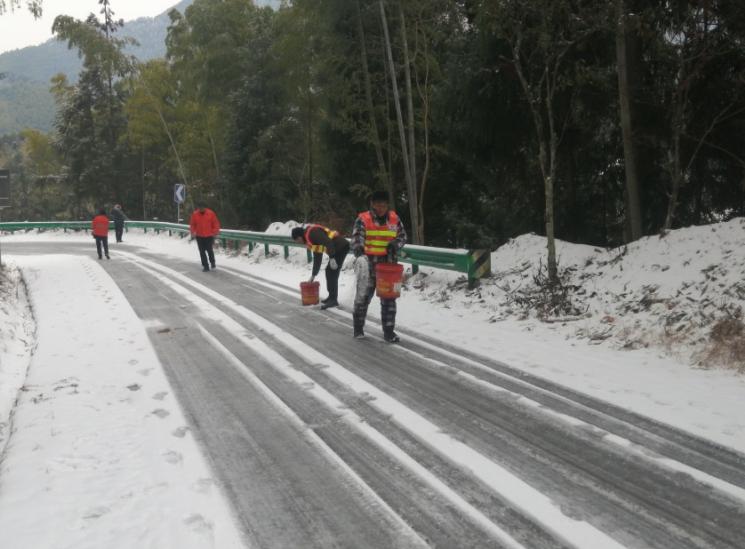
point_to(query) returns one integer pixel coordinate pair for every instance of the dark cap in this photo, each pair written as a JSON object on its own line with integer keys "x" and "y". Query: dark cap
{"x": 380, "y": 196}
{"x": 298, "y": 232}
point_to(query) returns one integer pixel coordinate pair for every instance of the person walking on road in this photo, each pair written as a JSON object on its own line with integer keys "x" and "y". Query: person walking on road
{"x": 204, "y": 226}
{"x": 100, "y": 228}
{"x": 378, "y": 236}
{"x": 118, "y": 216}
{"x": 322, "y": 240}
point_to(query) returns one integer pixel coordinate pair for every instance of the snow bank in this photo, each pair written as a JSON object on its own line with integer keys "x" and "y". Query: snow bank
{"x": 16, "y": 344}
{"x": 682, "y": 292}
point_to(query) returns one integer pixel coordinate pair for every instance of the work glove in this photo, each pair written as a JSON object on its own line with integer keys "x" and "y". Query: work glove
{"x": 392, "y": 251}
{"x": 333, "y": 265}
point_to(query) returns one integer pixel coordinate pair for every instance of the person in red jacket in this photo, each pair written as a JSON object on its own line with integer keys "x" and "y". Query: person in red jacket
{"x": 204, "y": 226}
{"x": 100, "y": 228}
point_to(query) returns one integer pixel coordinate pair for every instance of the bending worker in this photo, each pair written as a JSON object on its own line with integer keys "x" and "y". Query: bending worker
{"x": 320, "y": 240}
{"x": 378, "y": 235}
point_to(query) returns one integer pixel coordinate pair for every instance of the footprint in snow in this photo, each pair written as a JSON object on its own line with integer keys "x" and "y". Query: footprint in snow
{"x": 174, "y": 458}
{"x": 160, "y": 396}
{"x": 200, "y": 524}
{"x": 133, "y": 362}
{"x": 95, "y": 512}
{"x": 145, "y": 372}
{"x": 203, "y": 485}
{"x": 134, "y": 387}
{"x": 180, "y": 432}
{"x": 161, "y": 413}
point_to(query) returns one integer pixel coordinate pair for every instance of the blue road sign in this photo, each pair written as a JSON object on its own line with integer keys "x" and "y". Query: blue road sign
{"x": 179, "y": 193}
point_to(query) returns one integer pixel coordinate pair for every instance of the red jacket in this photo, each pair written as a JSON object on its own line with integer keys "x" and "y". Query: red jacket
{"x": 100, "y": 225}
{"x": 204, "y": 223}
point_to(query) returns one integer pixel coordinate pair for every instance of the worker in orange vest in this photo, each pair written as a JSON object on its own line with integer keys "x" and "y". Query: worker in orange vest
{"x": 322, "y": 240}
{"x": 100, "y": 229}
{"x": 204, "y": 226}
{"x": 378, "y": 236}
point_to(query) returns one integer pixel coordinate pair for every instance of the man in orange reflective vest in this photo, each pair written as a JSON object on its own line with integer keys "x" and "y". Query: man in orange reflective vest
{"x": 322, "y": 240}
{"x": 378, "y": 235}
{"x": 100, "y": 228}
{"x": 204, "y": 226}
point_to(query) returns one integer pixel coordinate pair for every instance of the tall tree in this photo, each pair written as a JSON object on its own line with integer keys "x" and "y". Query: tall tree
{"x": 633, "y": 204}
{"x": 33, "y": 6}
{"x": 541, "y": 35}
{"x": 91, "y": 123}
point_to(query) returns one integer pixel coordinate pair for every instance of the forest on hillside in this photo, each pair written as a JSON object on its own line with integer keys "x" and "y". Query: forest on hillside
{"x": 597, "y": 121}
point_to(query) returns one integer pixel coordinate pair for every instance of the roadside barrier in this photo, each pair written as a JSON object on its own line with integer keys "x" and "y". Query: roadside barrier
{"x": 475, "y": 264}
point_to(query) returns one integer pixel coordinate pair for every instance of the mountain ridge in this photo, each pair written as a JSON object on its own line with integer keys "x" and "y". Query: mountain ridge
{"x": 25, "y": 73}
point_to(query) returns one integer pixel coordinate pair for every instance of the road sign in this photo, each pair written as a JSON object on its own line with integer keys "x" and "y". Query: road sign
{"x": 4, "y": 189}
{"x": 179, "y": 193}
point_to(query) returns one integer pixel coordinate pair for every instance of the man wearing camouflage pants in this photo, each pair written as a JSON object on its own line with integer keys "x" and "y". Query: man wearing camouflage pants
{"x": 377, "y": 237}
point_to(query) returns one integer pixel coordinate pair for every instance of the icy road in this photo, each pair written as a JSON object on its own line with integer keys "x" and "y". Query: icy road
{"x": 320, "y": 440}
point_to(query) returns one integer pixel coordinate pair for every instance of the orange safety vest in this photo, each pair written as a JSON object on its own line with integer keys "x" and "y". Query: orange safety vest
{"x": 318, "y": 248}
{"x": 377, "y": 237}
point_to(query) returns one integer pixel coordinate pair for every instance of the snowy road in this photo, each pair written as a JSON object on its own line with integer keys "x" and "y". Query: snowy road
{"x": 326, "y": 441}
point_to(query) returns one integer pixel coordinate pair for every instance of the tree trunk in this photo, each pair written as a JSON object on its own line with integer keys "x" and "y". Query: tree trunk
{"x": 633, "y": 206}
{"x": 410, "y": 184}
{"x": 413, "y": 198}
{"x": 382, "y": 175}
{"x": 675, "y": 163}
{"x": 553, "y": 275}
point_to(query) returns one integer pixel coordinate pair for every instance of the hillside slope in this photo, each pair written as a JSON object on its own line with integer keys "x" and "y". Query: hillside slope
{"x": 682, "y": 294}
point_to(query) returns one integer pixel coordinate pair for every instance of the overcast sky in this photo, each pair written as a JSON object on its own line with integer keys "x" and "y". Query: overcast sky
{"x": 19, "y": 29}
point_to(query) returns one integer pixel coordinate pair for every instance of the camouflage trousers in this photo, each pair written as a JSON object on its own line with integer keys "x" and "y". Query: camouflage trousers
{"x": 365, "y": 274}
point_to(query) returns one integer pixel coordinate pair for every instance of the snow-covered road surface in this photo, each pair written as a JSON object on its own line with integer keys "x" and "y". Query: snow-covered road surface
{"x": 320, "y": 440}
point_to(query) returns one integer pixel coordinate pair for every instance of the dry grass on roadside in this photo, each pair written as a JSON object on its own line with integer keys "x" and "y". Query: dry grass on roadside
{"x": 726, "y": 345}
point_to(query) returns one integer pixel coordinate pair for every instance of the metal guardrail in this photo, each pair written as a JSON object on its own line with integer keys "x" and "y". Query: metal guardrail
{"x": 475, "y": 264}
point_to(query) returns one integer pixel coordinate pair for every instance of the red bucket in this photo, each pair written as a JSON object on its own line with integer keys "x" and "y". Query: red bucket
{"x": 309, "y": 292}
{"x": 388, "y": 277}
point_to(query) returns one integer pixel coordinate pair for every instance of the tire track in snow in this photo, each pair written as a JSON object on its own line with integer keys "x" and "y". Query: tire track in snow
{"x": 521, "y": 495}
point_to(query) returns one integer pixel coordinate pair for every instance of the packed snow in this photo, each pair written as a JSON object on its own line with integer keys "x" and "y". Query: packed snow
{"x": 99, "y": 453}
{"x": 647, "y": 327}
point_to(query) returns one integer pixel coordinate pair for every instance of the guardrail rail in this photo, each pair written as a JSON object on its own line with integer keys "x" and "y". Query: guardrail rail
{"x": 475, "y": 264}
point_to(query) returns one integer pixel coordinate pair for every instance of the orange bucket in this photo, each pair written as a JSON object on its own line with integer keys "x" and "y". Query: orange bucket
{"x": 309, "y": 292}
{"x": 388, "y": 277}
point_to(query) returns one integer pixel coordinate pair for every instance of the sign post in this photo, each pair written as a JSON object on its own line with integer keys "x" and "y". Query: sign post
{"x": 4, "y": 197}
{"x": 179, "y": 195}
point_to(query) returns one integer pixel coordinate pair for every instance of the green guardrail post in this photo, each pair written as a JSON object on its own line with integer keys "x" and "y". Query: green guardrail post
{"x": 251, "y": 246}
{"x": 287, "y": 252}
{"x": 266, "y": 249}
{"x": 479, "y": 266}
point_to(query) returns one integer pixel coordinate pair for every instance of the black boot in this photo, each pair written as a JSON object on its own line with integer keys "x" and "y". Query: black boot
{"x": 390, "y": 336}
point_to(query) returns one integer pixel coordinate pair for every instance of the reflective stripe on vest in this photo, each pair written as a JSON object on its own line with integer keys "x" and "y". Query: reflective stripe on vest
{"x": 377, "y": 237}
{"x": 318, "y": 248}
